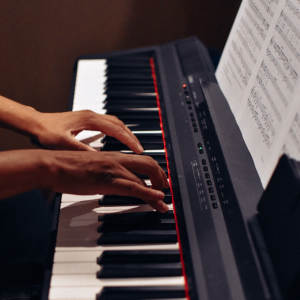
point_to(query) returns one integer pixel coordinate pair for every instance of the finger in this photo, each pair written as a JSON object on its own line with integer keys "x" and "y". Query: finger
{"x": 73, "y": 144}
{"x": 117, "y": 129}
{"x": 145, "y": 165}
{"x": 152, "y": 197}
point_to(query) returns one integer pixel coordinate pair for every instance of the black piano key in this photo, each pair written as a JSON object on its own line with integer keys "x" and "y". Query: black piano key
{"x": 148, "y": 215}
{"x": 126, "y": 225}
{"x": 131, "y": 76}
{"x": 143, "y": 138}
{"x": 152, "y": 125}
{"x": 121, "y": 147}
{"x": 107, "y": 226}
{"x": 129, "y": 89}
{"x": 126, "y": 200}
{"x": 128, "y": 82}
{"x": 144, "y": 115}
{"x": 133, "y": 59}
{"x": 125, "y": 71}
{"x": 124, "y": 106}
{"x": 135, "y": 99}
{"x": 159, "y": 157}
{"x": 142, "y": 293}
{"x": 129, "y": 64}
{"x": 144, "y": 177}
{"x": 120, "y": 200}
{"x": 121, "y": 104}
{"x": 138, "y": 256}
{"x": 138, "y": 237}
{"x": 128, "y": 119}
{"x": 140, "y": 270}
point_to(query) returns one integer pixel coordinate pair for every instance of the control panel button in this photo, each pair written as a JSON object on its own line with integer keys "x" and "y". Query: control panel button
{"x": 211, "y": 189}
{"x": 215, "y": 205}
{"x": 207, "y": 175}
{"x": 205, "y": 169}
{"x": 204, "y": 162}
{"x": 212, "y": 197}
{"x": 195, "y": 129}
{"x": 209, "y": 182}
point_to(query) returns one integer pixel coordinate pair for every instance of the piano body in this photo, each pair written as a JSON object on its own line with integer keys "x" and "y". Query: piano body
{"x": 119, "y": 248}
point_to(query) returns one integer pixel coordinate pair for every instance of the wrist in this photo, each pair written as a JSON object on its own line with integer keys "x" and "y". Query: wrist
{"x": 24, "y": 170}
{"x": 18, "y": 117}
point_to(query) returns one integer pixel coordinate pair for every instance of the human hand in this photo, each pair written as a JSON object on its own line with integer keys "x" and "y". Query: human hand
{"x": 58, "y": 130}
{"x": 88, "y": 173}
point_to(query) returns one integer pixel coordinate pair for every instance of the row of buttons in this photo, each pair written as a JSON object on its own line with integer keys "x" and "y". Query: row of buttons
{"x": 209, "y": 182}
{"x": 194, "y": 124}
{"x": 189, "y": 102}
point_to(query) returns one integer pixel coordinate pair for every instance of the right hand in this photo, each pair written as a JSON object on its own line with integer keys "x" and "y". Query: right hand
{"x": 88, "y": 173}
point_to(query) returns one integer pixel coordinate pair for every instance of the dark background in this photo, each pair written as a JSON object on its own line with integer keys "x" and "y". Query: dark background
{"x": 40, "y": 40}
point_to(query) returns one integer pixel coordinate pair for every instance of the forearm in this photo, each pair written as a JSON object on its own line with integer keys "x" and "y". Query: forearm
{"x": 21, "y": 118}
{"x": 22, "y": 171}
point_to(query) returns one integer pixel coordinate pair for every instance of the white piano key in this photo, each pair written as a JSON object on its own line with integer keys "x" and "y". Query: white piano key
{"x": 146, "y": 132}
{"x": 77, "y": 198}
{"x": 159, "y": 151}
{"x": 89, "y": 86}
{"x": 82, "y": 254}
{"x": 74, "y": 293}
{"x": 142, "y": 109}
{"x": 71, "y": 280}
{"x": 72, "y": 268}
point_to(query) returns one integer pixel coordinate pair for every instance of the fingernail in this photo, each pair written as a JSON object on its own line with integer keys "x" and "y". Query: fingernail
{"x": 163, "y": 207}
{"x": 167, "y": 184}
{"x": 140, "y": 148}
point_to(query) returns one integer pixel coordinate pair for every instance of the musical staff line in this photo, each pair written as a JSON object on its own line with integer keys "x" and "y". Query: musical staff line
{"x": 246, "y": 45}
{"x": 243, "y": 61}
{"x": 292, "y": 73}
{"x": 250, "y": 32}
{"x": 295, "y": 128}
{"x": 267, "y": 7}
{"x": 244, "y": 79}
{"x": 275, "y": 85}
{"x": 259, "y": 15}
{"x": 264, "y": 117}
{"x": 280, "y": 29}
{"x": 260, "y": 31}
{"x": 293, "y": 8}
{"x": 269, "y": 98}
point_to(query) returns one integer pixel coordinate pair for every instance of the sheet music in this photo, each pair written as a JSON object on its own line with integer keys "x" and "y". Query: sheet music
{"x": 259, "y": 75}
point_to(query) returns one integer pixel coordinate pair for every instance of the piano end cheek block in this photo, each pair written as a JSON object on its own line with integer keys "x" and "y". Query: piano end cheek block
{"x": 279, "y": 218}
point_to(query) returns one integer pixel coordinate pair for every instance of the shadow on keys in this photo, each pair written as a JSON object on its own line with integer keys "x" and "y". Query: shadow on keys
{"x": 81, "y": 221}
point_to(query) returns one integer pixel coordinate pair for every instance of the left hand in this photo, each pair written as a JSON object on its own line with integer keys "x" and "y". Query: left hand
{"x": 58, "y": 130}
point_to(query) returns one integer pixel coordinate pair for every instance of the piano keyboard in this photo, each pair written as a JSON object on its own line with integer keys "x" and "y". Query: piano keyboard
{"x": 116, "y": 247}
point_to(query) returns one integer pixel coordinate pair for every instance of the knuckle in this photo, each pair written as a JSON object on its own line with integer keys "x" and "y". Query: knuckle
{"x": 116, "y": 120}
{"x": 153, "y": 164}
{"x": 133, "y": 188}
{"x": 87, "y": 116}
{"x": 118, "y": 128}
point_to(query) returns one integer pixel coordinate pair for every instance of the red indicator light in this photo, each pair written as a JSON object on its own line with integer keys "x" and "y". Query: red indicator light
{"x": 184, "y": 86}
